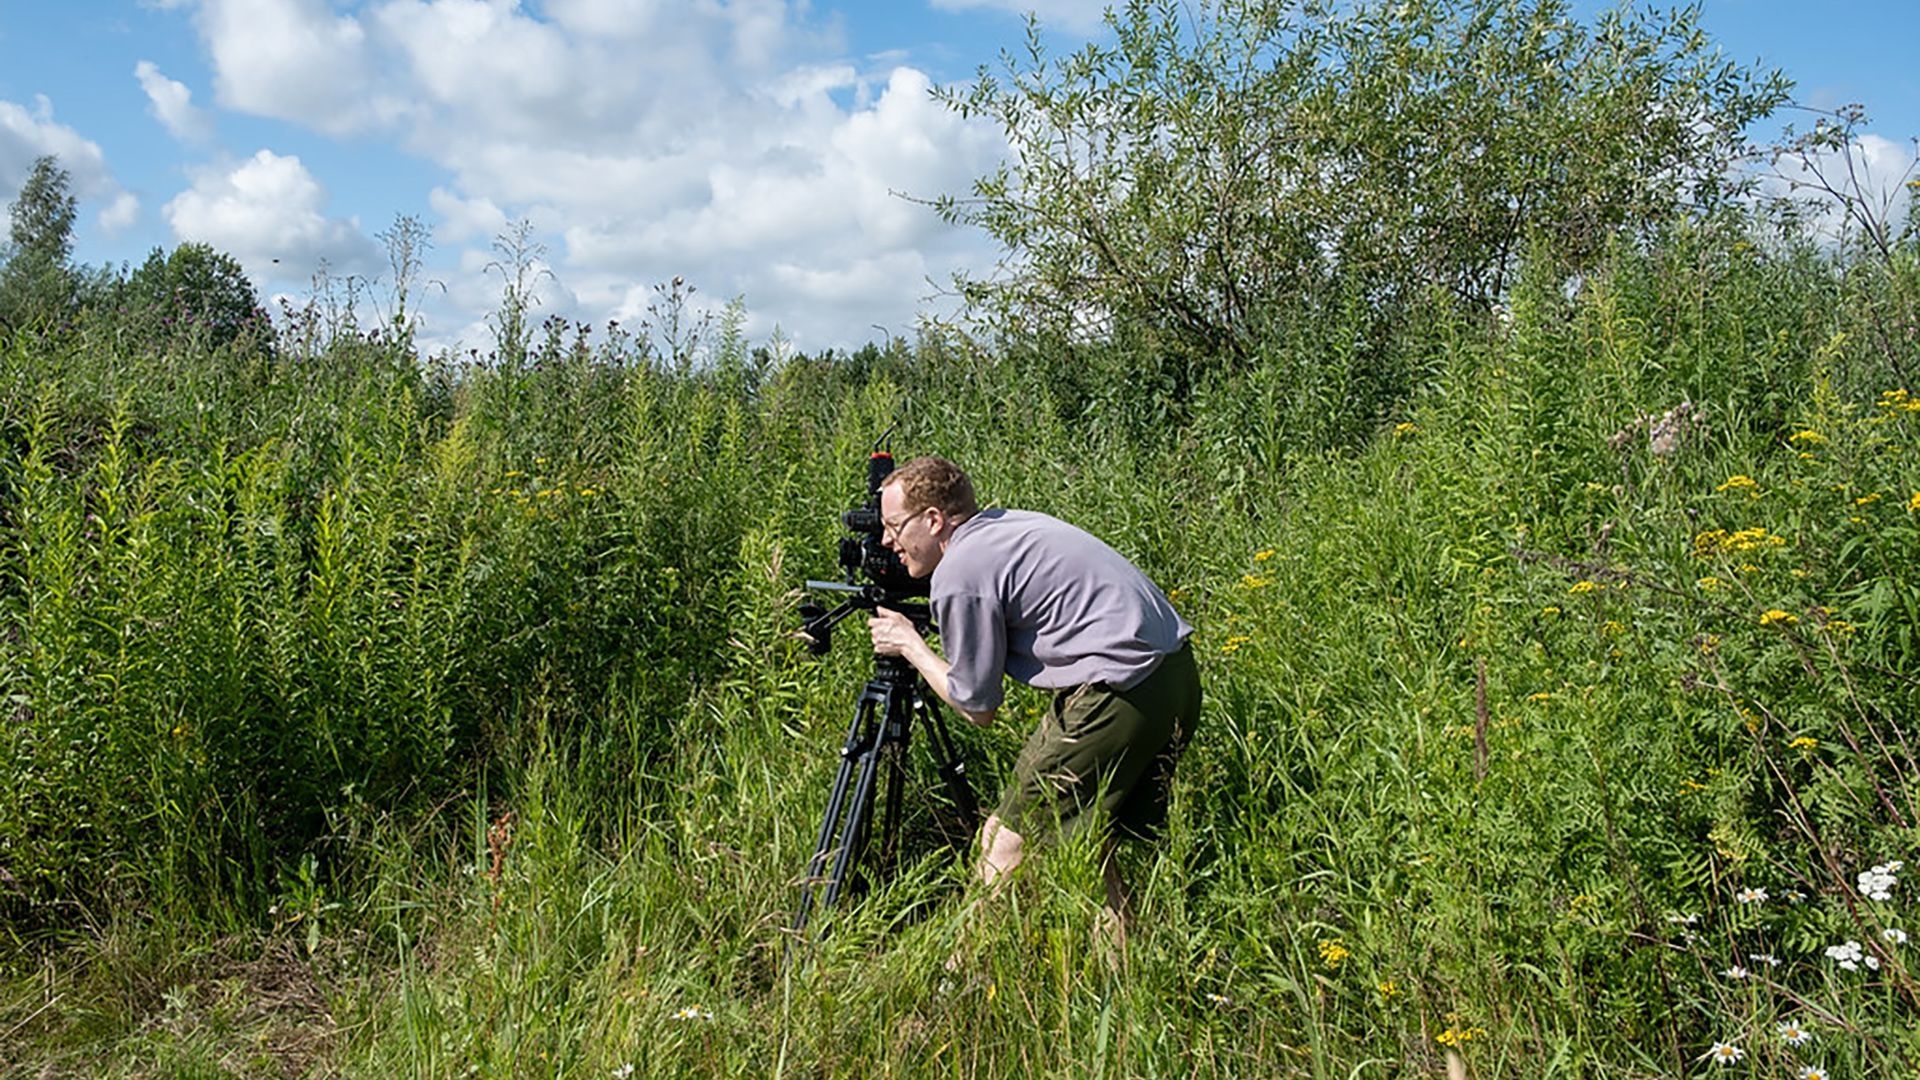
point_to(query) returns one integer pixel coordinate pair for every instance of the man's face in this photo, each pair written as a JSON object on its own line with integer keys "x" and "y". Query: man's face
{"x": 913, "y": 535}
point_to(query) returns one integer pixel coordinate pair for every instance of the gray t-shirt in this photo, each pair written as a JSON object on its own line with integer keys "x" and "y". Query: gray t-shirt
{"x": 1028, "y": 595}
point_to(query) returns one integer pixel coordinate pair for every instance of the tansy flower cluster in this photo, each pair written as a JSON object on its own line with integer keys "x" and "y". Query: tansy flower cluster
{"x": 1333, "y": 952}
{"x": 1722, "y": 542}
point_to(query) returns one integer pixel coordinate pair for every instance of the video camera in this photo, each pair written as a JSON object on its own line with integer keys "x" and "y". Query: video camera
{"x": 864, "y": 554}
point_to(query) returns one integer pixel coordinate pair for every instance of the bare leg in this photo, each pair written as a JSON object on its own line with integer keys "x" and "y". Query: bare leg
{"x": 1117, "y": 916}
{"x": 1001, "y": 849}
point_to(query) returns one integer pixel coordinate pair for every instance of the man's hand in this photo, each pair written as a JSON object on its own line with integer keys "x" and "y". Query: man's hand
{"x": 893, "y": 633}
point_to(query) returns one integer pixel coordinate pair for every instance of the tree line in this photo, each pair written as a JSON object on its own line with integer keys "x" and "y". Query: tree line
{"x": 192, "y": 293}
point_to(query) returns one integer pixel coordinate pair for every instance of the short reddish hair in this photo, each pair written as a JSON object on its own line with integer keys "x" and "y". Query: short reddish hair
{"x": 934, "y": 481}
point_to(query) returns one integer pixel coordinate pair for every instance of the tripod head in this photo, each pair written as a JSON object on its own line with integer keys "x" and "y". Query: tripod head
{"x": 817, "y": 621}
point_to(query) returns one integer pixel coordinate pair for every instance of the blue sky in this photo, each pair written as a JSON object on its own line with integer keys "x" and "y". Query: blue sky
{"x": 752, "y": 146}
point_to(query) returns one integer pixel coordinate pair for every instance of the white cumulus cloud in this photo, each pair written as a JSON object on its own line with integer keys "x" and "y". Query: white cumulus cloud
{"x": 270, "y": 210}
{"x": 294, "y": 60}
{"x": 27, "y": 134}
{"x": 733, "y": 144}
{"x": 172, "y": 104}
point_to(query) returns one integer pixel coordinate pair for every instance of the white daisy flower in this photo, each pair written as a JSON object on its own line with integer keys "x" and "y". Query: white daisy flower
{"x": 692, "y": 1012}
{"x": 1726, "y": 1054}
{"x": 1736, "y": 972}
{"x": 1814, "y": 1072}
{"x": 1764, "y": 958}
{"x": 1792, "y": 1033}
{"x": 1751, "y": 896}
{"x": 1894, "y": 935}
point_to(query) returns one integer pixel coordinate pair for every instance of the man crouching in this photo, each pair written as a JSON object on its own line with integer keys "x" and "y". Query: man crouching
{"x": 1021, "y": 594}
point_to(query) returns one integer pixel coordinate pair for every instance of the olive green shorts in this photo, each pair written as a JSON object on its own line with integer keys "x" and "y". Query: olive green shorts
{"x": 1106, "y": 748}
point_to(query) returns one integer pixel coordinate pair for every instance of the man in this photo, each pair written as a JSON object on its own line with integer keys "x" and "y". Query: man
{"x": 1029, "y": 596}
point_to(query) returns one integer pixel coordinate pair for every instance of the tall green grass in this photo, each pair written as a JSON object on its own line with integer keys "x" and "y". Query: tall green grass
{"x": 460, "y": 708}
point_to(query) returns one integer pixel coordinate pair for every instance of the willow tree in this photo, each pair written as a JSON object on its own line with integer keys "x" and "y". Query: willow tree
{"x": 1223, "y": 166}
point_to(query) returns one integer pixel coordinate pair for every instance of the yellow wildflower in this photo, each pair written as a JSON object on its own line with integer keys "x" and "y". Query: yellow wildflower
{"x": 1775, "y": 615}
{"x": 1804, "y": 742}
{"x": 1233, "y": 644}
{"x": 1613, "y": 626}
{"x": 1756, "y": 537}
{"x": 1811, "y": 438}
{"x": 1739, "y": 482}
{"x": 1913, "y": 504}
{"x": 1708, "y": 583}
{"x": 1250, "y": 581}
{"x": 1263, "y": 556}
{"x": 1550, "y": 610}
{"x": 1544, "y": 695}
{"x": 1458, "y": 1036}
{"x": 1407, "y": 428}
{"x": 1868, "y": 499}
{"x": 1582, "y": 587}
{"x": 1388, "y": 988}
{"x": 1332, "y": 952}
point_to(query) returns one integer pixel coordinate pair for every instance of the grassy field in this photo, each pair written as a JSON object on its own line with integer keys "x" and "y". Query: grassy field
{"x": 377, "y": 717}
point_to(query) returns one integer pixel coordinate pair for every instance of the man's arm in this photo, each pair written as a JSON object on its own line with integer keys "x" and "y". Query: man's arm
{"x": 894, "y": 635}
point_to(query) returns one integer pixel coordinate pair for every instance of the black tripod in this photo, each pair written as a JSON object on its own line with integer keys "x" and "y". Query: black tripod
{"x": 877, "y": 741}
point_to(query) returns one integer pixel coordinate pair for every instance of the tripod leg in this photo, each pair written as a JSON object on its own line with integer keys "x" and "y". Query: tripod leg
{"x": 952, "y": 769}
{"x": 853, "y": 832}
{"x": 860, "y": 736}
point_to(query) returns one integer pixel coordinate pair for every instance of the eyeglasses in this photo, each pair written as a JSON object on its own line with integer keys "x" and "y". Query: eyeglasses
{"x": 890, "y": 530}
